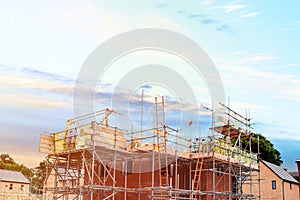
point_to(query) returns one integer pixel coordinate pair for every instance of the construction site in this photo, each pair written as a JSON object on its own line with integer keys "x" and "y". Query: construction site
{"x": 95, "y": 159}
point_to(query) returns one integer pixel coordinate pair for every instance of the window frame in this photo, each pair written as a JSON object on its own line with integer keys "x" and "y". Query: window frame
{"x": 273, "y": 184}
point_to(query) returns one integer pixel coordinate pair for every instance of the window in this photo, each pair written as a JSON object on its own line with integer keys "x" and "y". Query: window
{"x": 22, "y": 187}
{"x": 234, "y": 185}
{"x": 10, "y": 186}
{"x": 291, "y": 186}
{"x": 274, "y": 185}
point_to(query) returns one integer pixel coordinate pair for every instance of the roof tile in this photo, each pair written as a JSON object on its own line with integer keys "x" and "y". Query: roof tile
{"x": 280, "y": 172}
{"x": 13, "y": 176}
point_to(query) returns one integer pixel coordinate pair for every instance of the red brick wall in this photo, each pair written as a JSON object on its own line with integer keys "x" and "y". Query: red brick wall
{"x": 183, "y": 174}
{"x": 222, "y": 181}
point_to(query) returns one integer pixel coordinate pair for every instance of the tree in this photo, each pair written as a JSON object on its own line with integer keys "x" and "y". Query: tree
{"x": 266, "y": 148}
{"x": 39, "y": 177}
{"x": 5, "y": 158}
{"x": 6, "y": 162}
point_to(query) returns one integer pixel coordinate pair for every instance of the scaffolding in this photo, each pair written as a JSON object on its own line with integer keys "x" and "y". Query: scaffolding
{"x": 97, "y": 160}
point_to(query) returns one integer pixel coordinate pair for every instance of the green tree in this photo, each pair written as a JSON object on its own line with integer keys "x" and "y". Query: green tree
{"x": 5, "y": 158}
{"x": 266, "y": 148}
{"x": 6, "y": 162}
{"x": 39, "y": 177}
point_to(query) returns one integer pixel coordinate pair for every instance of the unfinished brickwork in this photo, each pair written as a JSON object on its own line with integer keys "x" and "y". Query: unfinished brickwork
{"x": 97, "y": 160}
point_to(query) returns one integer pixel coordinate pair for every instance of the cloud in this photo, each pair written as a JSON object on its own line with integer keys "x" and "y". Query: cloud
{"x": 270, "y": 84}
{"x": 254, "y": 58}
{"x": 34, "y": 88}
{"x": 293, "y": 65}
{"x": 224, "y": 27}
{"x": 35, "y": 84}
{"x": 232, "y": 8}
{"x": 252, "y": 14}
{"x": 208, "y": 21}
{"x": 34, "y": 101}
{"x": 259, "y": 58}
{"x": 33, "y": 73}
{"x": 204, "y": 19}
{"x": 240, "y": 105}
{"x": 195, "y": 16}
{"x": 291, "y": 27}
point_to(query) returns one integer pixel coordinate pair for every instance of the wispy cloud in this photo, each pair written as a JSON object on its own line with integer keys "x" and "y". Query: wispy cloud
{"x": 224, "y": 27}
{"x": 195, "y": 16}
{"x": 241, "y": 106}
{"x": 34, "y": 101}
{"x": 233, "y": 7}
{"x": 291, "y": 27}
{"x": 252, "y": 14}
{"x": 259, "y": 58}
{"x": 19, "y": 82}
{"x": 293, "y": 65}
{"x": 208, "y": 21}
{"x": 31, "y": 87}
{"x": 268, "y": 83}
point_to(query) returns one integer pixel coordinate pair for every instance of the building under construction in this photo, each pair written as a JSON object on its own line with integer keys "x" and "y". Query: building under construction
{"x": 94, "y": 159}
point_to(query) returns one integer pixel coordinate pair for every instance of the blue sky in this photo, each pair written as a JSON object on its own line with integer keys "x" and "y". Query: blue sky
{"x": 254, "y": 45}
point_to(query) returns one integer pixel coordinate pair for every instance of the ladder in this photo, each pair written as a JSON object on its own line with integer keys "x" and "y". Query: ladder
{"x": 197, "y": 172}
{"x": 161, "y": 141}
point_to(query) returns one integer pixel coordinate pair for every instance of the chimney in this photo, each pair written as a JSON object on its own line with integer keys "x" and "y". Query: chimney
{"x": 298, "y": 165}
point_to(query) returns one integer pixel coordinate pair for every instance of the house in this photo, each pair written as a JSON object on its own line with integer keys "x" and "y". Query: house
{"x": 13, "y": 185}
{"x": 295, "y": 175}
{"x": 98, "y": 160}
{"x": 275, "y": 183}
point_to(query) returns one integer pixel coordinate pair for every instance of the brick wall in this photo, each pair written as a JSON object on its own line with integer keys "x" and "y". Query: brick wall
{"x": 222, "y": 181}
{"x": 141, "y": 181}
{"x": 283, "y": 191}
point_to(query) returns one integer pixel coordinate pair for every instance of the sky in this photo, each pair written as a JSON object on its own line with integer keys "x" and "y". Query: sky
{"x": 254, "y": 46}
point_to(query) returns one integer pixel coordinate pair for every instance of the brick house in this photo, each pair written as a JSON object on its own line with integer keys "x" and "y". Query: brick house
{"x": 13, "y": 185}
{"x": 276, "y": 183}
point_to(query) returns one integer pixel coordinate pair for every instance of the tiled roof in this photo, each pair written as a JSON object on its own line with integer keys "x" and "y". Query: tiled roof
{"x": 12, "y": 176}
{"x": 280, "y": 172}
